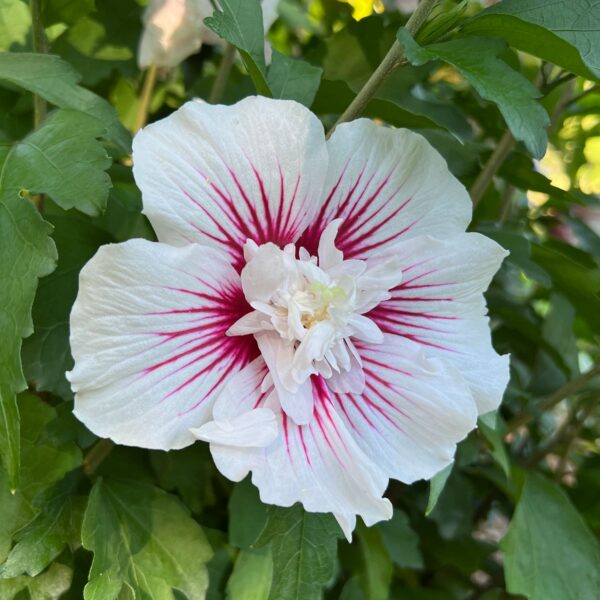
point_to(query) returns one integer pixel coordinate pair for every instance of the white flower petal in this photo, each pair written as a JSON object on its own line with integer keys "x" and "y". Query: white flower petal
{"x": 319, "y": 465}
{"x": 440, "y": 305}
{"x": 148, "y": 338}
{"x": 255, "y": 429}
{"x": 412, "y": 412}
{"x": 386, "y": 185}
{"x": 219, "y": 175}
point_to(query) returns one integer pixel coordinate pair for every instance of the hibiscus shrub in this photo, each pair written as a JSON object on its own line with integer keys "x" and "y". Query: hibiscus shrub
{"x": 299, "y": 299}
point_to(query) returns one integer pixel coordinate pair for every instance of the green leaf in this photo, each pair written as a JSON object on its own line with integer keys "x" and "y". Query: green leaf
{"x": 145, "y": 544}
{"x": 55, "y": 80}
{"x": 304, "y": 549}
{"x": 247, "y": 515}
{"x": 58, "y": 523}
{"x": 46, "y": 354}
{"x": 478, "y": 62}
{"x": 293, "y": 79}
{"x": 549, "y": 552}
{"x": 240, "y": 22}
{"x": 375, "y": 574}
{"x": 50, "y": 585}
{"x": 47, "y": 154}
{"x": 563, "y": 32}
{"x": 436, "y": 487}
{"x": 401, "y": 541}
{"x": 492, "y": 428}
{"x": 252, "y": 575}
{"x": 27, "y": 254}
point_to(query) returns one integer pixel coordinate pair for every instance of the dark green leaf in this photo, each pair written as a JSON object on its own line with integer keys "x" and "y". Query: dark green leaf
{"x": 252, "y": 575}
{"x": 375, "y": 574}
{"x": 549, "y": 552}
{"x": 304, "y": 549}
{"x": 50, "y": 585}
{"x": 436, "y": 487}
{"x": 563, "y": 32}
{"x": 478, "y": 62}
{"x": 247, "y": 515}
{"x": 401, "y": 541}
{"x": 240, "y": 23}
{"x": 492, "y": 427}
{"x": 145, "y": 544}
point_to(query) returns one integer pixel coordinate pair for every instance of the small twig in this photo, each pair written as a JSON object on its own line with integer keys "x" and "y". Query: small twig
{"x": 553, "y": 399}
{"x": 142, "y": 113}
{"x": 578, "y": 97}
{"x": 96, "y": 455}
{"x": 498, "y": 156}
{"x": 388, "y": 65}
{"x": 40, "y": 46}
{"x": 218, "y": 87}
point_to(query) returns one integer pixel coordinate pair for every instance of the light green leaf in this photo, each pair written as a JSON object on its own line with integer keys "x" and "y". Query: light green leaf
{"x": 304, "y": 549}
{"x": 401, "y": 541}
{"x": 47, "y": 155}
{"x": 46, "y": 354}
{"x": 50, "y": 585}
{"x": 375, "y": 574}
{"x": 478, "y": 62}
{"x": 252, "y": 575}
{"x": 293, "y": 79}
{"x": 436, "y": 487}
{"x": 144, "y": 541}
{"x": 563, "y": 32}
{"x": 549, "y": 552}
{"x": 15, "y": 22}
{"x": 247, "y": 515}
{"x": 240, "y": 22}
{"x": 55, "y": 80}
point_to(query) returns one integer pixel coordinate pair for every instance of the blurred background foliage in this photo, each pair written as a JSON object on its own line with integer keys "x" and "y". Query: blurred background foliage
{"x": 518, "y": 515}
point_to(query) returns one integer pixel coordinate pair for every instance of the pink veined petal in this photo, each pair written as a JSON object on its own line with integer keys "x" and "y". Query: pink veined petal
{"x": 412, "y": 412}
{"x": 440, "y": 305}
{"x": 219, "y": 175}
{"x": 386, "y": 185}
{"x": 148, "y": 338}
{"x": 319, "y": 464}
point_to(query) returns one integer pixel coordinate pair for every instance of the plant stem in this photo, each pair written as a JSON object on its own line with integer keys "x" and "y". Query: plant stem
{"x": 388, "y": 65}
{"x": 498, "y": 156}
{"x": 40, "y": 46}
{"x": 142, "y": 113}
{"x": 553, "y": 399}
{"x": 218, "y": 87}
{"x": 96, "y": 455}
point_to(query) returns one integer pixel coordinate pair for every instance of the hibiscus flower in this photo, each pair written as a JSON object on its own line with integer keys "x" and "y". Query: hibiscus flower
{"x": 314, "y": 309}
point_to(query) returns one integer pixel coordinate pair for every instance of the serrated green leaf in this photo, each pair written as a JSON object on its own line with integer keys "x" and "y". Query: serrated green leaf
{"x": 57, "y": 524}
{"x": 304, "y": 549}
{"x": 549, "y": 552}
{"x": 293, "y": 79}
{"x": 27, "y": 253}
{"x": 46, "y": 354}
{"x": 144, "y": 541}
{"x": 563, "y": 32}
{"x": 436, "y": 487}
{"x": 252, "y": 575}
{"x": 55, "y": 80}
{"x": 247, "y": 515}
{"x": 478, "y": 62}
{"x": 240, "y": 22}
{"x": 47, "y": 155}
